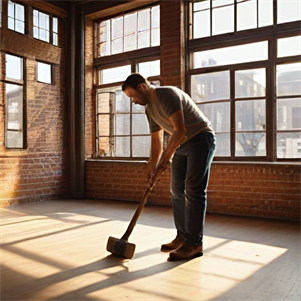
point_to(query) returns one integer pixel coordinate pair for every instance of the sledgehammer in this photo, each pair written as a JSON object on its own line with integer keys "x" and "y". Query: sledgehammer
{"x": 121, "y": 247}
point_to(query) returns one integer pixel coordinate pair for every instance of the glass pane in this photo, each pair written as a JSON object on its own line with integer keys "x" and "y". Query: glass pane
{"x": 198, "y": 5}
{"x": 14, "y": 67}
{"x": 55, "y": 39}
{"x": 223, "y": 20}
{"x": 140, "y": 124}
{"x": 265, "y": 13}
{"x": 250, "y": 115}
{"x": 104, "y": 31}
{"x": 289, "y": 114}
{"x": 289, "y": 46}
{"x": 122, "y": 102}
{"x": 130, "y": 42}
{"x": 141, "y": 146}
{"x": 104, "y": 149}
{"x": 11, "y": 23}
{"x": 217, "y": 3}
{"x": 130, "y": 21}
{"x": 250, "y": 144}
{"x": 247, "y": 15}
{"x": 155, "y": 33}
{"x": 122, "y": 146}
{"x": 14, "y": 116}
{"x": 117, "y": 28}
{"x": 36, "y": 32}
{"x": 20, "y": 26}
{"x": 289, "y": 145}
{"x": 35, "y": 18}
{"x": 143, "y": 39}
{"x": 114, "y": 75}
{"x": 155, "y": 16}
{"x": 11, "y": 9}
{"x": 103, "y": 102}
{"x": 44, "y": 73}
{"x": 288, "y": 79}
{"x": 149, "y": 68}
{"x": 55, "y": 25}
{"x": 144, "y": 20}
{"x": 231, "y": 55}
{"x": 137, "y": 108}
{"x": 20, "y": 12}
{"x": 117, "y": 46}
{"x": 218, "y": 114}
{"x": 210, "y": 86}
{"x": 288, "y": 10}
{"x": 250, "y": 83}
{"x": 104, "y": 125}
{"x": 122, "y": 126}
{"x": 201, "y": 24}
{"x": 222, "y": 145}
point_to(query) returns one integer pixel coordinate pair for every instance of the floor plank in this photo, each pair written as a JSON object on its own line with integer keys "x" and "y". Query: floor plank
{"x": 56, "y": 250}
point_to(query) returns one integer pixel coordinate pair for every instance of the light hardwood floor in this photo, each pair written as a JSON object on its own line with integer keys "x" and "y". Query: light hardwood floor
{"x": 56, "y": 250}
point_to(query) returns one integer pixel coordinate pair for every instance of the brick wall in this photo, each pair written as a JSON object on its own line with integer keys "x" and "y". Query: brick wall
{"x": 262, "y": 190}
{"x": 40, "y": 171}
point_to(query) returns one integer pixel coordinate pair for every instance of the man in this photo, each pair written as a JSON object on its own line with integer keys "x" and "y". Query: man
{"x": 192, "y": 145}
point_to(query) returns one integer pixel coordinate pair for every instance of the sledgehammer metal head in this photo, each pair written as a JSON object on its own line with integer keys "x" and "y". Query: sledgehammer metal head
{"x": 120, "y": 247}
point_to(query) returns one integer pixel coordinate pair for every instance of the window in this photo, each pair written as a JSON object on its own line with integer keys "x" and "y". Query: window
{"x": 248, "y": 84}
{"x": 14, "y": 117}
{"x": 131, "y": 31}
{"x": 16, "y": 17}
{"x": 45, "y": 27}
{"x": 121, "y": 126}
{"x": 44, "y": 73}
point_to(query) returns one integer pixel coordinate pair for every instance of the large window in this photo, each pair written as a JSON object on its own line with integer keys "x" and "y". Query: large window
{"x": 14, "y": 104}
{"x": 248, "y": 83}
{"x": 16, "y": 17}
{"x": 127, "y": 32}
{"x": 121, "y": 127}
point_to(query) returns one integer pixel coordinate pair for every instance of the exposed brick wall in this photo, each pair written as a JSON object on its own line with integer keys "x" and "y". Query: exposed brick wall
{"x": 40, "y": 171}
{"x": 262, "y": 190}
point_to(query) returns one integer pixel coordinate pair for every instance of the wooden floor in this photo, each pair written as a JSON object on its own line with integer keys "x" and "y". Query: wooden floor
{"x": 56, "y": 250}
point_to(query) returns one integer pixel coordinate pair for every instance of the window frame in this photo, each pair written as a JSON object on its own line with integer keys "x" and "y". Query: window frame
{"x": 269, "y": 33}
{"x": 21, "y": 83}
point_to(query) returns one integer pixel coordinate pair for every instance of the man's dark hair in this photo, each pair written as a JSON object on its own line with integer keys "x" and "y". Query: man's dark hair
{"x": 133, "y": 81}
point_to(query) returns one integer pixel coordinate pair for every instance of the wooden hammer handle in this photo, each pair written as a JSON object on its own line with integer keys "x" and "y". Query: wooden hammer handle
{"x": 139, "y": 209}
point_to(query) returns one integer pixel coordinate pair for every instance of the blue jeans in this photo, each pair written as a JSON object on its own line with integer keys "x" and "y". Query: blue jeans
{"x": 190, "y": 169}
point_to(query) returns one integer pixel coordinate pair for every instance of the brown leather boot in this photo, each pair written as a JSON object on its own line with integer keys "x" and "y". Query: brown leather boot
{"x": 173, "y": 245}
{"x": 186, "y": 251}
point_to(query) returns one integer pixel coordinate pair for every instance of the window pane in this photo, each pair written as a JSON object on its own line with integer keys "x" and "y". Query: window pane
{"x": 122, "y": 126}
{"x": 35, "y": 18}
{"x": 122, "y": 102}
{"x": 143, "y": 39}
{"x": 103, "y": 102}
{"x": 289, "y": 46}
{"x": 201, "y": 24}
{"x": 250, "y": 115}
{"x": 231, "y": 55}
{"x": 20, "y": 12}
{"x": 117, "y": 28}
{"x": 250, "y": 144}
{"x": 44, "y": 73}
{"x": 114, "y": 75}
{"x": 141, "y": 146}
{"x": 201, "y": 5}
{"x": 143, "y": 20}
{"x": 140, "y": 124}
{"x": 149, "y": 68}
{"x": 11, "y": 23}
{"x": 155, "y": 33}
{"x": 20, "y": 27}
{"x": 265, "y": 13}
{"x": 288, "y": 79}
{"x": 155, "y": 14}
{"x": 247, "y": 15}
{"x": 217, "y": 3}
{"x": 218, "y": 114}
{"x": 117, "y": 46}
{"x": 122, "y": 146}
{"x": 55, "y": 39}
{"x": 104, "y": 148}
{"x": 130, "y": 42}
{"x": 210, "y": 86}
{"x": 14, "y": 67}
{"x": 11, "y": 9}
{"x": 55, "y": 24}
{"x": 289, "y": 145}
{"x": 288, "y": 10}
{"x": 289, "y": 114}
{"x": 104, "y": 125}
{"x": 14, "y": 116}
{"x": 222, "y": 145}
{"x": 223, "y": 20}
{"x": 250, "y": 83}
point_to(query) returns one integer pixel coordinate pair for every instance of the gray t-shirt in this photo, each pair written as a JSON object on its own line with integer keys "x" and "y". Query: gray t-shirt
{"x": 169, "y": 100}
